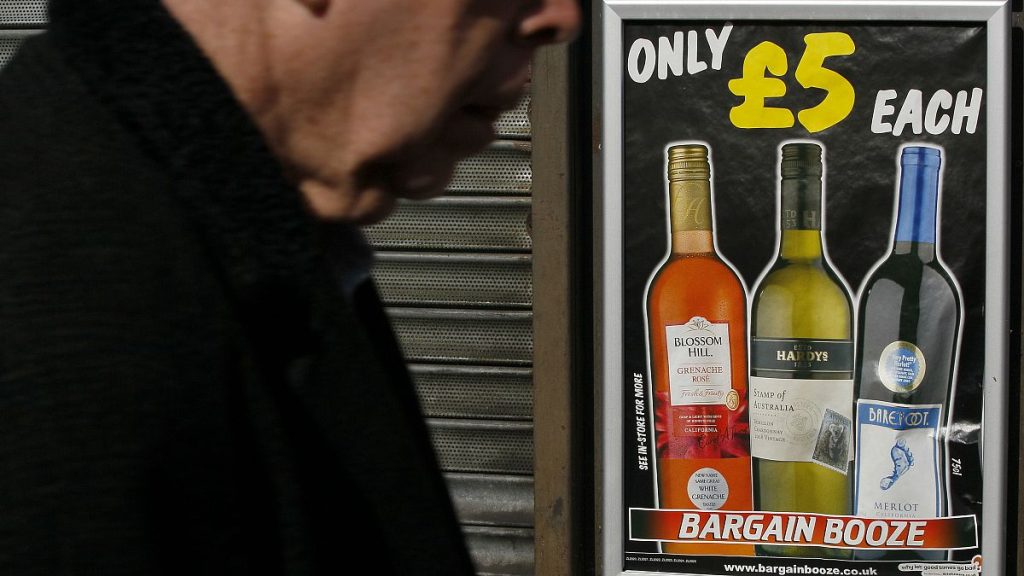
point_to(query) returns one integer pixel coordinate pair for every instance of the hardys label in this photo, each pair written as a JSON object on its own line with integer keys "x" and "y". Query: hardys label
{"x": 699, "y": 363}
{"x": 898, "y": 460}
{"x": 801, "y": 355}
{"x": 796, "y": 420}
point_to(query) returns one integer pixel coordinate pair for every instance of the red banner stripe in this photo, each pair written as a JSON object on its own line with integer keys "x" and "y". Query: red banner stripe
{"x": 795, "y": 529}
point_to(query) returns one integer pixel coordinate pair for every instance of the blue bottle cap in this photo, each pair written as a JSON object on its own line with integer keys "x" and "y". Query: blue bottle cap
{"x": 921, "y": 156}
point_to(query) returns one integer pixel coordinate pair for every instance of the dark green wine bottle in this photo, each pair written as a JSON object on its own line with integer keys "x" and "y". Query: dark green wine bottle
{"x": 909, "y": 317}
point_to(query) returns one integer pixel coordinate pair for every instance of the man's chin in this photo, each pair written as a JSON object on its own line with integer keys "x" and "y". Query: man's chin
{"x": 376, "y": 203}
{"x": 364, "y": 206}
{"x": 371, "y": 206}
{"x": 421, "y": 174}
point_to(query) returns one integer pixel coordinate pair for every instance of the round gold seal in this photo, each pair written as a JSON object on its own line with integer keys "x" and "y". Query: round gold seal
{"x": 732, "y": 400}
{"x": 901, "y": 367}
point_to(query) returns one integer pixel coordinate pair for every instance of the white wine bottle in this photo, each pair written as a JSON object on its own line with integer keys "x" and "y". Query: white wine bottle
{"x": 801, "y": 384}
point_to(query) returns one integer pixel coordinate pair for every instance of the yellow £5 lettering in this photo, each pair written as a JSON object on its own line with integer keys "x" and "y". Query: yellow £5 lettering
{"x": 754, "y": 87}
{"x": 810, "y": 73}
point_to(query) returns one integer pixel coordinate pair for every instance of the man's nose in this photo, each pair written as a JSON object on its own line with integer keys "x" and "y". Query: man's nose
{"x": 551, "y": 21}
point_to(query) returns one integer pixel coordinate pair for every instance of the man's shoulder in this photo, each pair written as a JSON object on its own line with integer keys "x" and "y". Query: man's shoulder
{"x": 83, "y": 206}
{"x": 65, "y": 160}
{"x": 59, "y": 145}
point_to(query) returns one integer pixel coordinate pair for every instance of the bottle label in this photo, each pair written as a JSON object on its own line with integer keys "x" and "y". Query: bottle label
{"x": 898, "y": 465}
{"x": 708, "y": 489}
{"x": 801, "y": 355}
{"x": 700, "y": 483}
{"x": 691, "y": 205}
{"x": 699, "y": 363}
{"x": 797, "y": 420}
{"x": 901, "y": 367}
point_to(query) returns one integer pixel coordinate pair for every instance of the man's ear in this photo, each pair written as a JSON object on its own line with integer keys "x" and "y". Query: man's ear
{"x": 317, "y": 7}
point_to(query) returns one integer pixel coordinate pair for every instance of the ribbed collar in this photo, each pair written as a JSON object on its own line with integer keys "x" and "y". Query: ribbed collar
{"x": 148, "y": 71}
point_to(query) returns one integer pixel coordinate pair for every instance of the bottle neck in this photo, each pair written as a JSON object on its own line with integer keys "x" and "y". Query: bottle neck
{"x": 924, "y": 251}
{"x": 688, "y": 243}
{"x": 801, "y": 245}
{"x": 691, "y": 217}
{"x": 917, "y": 210}
{"x": 800, "y": 219}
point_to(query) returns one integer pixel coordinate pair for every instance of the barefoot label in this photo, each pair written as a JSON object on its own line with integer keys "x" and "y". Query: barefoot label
{"x": 898, "y": 450}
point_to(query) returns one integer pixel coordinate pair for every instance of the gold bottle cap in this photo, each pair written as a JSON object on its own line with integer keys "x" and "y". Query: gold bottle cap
{"x": 688, "y": 162}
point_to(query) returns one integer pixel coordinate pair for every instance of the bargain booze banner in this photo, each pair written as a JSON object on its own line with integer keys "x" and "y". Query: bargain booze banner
{"x": 952, "y": 533}
{"x": 880, "y": 483}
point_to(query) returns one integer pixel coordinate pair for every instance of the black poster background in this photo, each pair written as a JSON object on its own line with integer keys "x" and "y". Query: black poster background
{"x": 859, "y": 192}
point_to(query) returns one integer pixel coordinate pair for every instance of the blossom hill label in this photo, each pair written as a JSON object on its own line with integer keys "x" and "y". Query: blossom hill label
{"x": 698, "y": 355}
{"x": 696, "y": 314}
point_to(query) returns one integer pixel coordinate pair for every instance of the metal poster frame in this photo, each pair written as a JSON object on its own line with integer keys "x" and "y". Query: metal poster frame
{"x": 995, "y": 15}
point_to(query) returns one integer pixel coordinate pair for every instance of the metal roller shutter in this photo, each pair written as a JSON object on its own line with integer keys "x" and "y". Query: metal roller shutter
{"x": 456, "y": 274}
{"x": 23, "y": 14}
{"x": 457, "y": 224}
{"x": 19, "y": 19}
{"x": 456, "y": 280}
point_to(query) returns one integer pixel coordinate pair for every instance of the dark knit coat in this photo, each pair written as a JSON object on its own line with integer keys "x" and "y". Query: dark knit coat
{"x": 183, "y": 388}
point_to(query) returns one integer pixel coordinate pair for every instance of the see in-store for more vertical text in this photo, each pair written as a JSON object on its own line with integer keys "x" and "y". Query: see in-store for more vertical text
{"x": 643, "y": 461}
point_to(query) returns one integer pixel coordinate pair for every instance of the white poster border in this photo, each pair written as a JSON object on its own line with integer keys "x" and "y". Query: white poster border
{"x": 995, "y": 15}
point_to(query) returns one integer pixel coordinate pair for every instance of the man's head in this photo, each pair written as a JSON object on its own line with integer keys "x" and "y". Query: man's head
{"x": 366, "y": 101}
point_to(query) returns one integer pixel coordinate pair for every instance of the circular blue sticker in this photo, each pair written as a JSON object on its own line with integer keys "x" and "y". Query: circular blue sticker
{"x": 901, "y": 367}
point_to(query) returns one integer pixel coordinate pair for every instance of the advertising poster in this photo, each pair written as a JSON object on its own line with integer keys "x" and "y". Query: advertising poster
{"x": 803, "y": 296}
